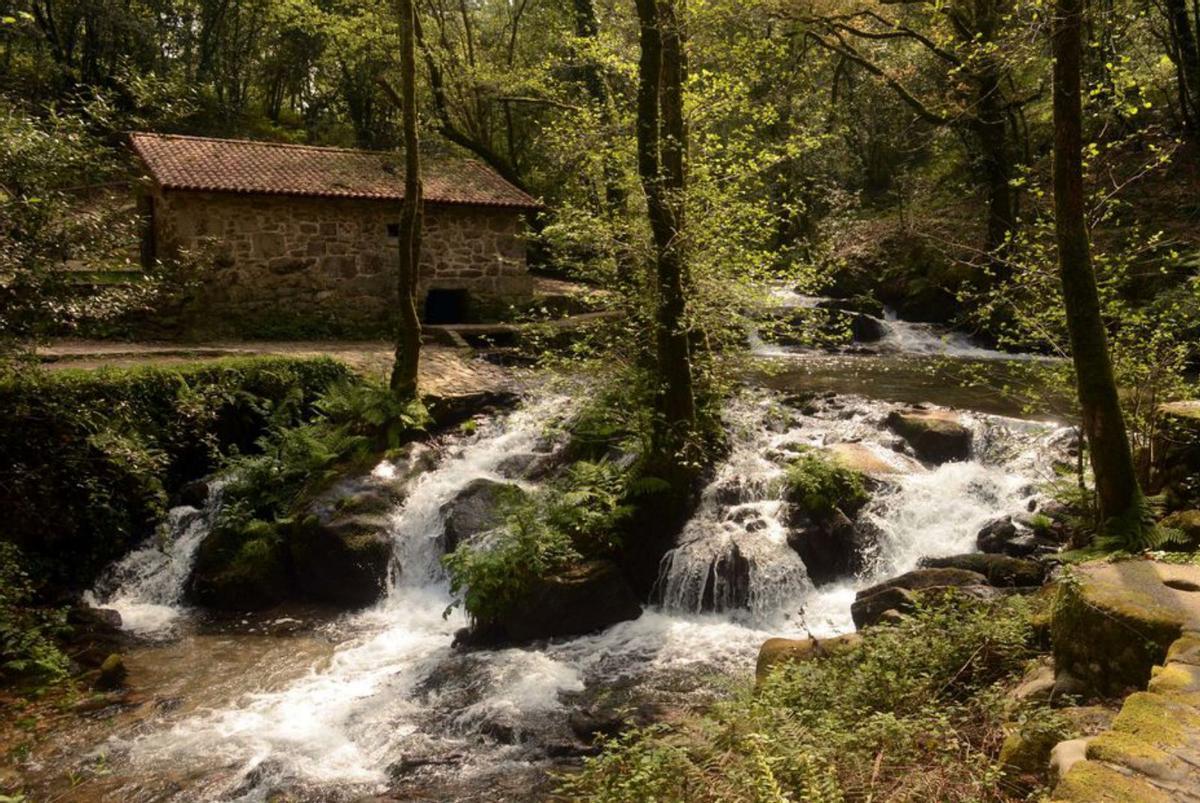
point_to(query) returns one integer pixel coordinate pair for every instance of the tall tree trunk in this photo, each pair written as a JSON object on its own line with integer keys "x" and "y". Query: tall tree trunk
{"x": 1112, "y": 459}
{"x": 1187, "y": 57}
{"x": 408, "y": 337}
{"x": 662, "y": 143}
{"x": 991, "y": 127}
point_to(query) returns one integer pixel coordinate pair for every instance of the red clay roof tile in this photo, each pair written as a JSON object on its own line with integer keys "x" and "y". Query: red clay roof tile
{"x": 234, "y": 165}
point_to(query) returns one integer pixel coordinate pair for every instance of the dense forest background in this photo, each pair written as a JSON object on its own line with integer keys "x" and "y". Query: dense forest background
{"x": 896, "y": 152}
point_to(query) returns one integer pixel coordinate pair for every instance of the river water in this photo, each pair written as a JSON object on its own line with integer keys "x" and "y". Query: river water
{"x": 305, "y": 705}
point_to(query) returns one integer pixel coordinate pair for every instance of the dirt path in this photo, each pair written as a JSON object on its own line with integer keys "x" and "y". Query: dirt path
{"x": 444, "y": 370}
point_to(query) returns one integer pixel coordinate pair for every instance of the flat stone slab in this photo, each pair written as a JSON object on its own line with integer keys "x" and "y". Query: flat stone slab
{"x": 1115, "y": 613}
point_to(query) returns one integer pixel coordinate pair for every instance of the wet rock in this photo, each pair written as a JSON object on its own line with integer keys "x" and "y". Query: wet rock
{"x": 865, "y": 329}
{"x": 919, "y": 579}
{"x": 778, "y": 651}
{"x": 1001, "y": 571}
{"x": 861, "y": 458}
{"x": 727, "y": 587}
{"x": 1004, "y": 536}
{"x": 936, "y": 436}
{"x": 240, "y": 568}
{"x": 477, "y": 508}
{"x": 525, "y": 465}
{"x": 899, "y": 593}
{"x": 579, "y": 600}
{"x": 343, "y": 561}
{"x": 95, "y": 634}
{"x": 830, "y": 547}
{"x": 194, "y": 493}
{"x": 112, "y": 674}
{"x": 869, "y": 610}
{"x": 589, "y": 724}
{"x": 863, "y": 304}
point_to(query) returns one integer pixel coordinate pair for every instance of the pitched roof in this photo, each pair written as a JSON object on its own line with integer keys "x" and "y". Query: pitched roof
{"x": 243, "y": 166}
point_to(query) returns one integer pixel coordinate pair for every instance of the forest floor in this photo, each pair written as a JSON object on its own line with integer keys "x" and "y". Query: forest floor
{"x": 445, "y": 370}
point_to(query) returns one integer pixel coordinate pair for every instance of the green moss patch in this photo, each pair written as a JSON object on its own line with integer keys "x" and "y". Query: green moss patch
{"x": 91, "y": 458}
{"x": 1092, "y": 782}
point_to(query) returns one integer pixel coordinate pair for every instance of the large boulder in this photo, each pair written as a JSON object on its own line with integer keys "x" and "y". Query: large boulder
{"x": 900, "y": 593}
{"x": 1113, "y": 622}
{"x": 477, "y": 508}
{"x": 1000, "y": 570}
{"x": 936, "y": 436}
{"x": 343, "y": 561}
{"x": 579, "y": 600}
{"x": 240, "y": 568}
{"x": 1186, "y": 522}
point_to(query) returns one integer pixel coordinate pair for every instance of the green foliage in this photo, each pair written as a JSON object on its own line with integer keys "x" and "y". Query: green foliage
{"x": 820, "y": 485}
{"x": 88, "y": 458}
{"x": 1136, "y": 529}
{"x": 914, "y": 713}
{"x": 488, "y": 579}
{"x": 575, "y": 517}
{"x": 351, "y": 421}
{"x": 28, "y": 646}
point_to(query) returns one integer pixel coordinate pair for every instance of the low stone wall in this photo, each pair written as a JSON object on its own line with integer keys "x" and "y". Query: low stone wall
{"x": 328, "y": 261}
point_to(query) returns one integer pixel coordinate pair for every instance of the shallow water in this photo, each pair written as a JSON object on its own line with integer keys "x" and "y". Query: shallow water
{"x": 318, "y": 707}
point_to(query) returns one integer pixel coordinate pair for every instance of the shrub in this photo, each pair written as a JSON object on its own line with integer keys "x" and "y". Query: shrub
{"x": 914, "y": 713}
{"x": 88, "y": 458}
{"x": 819, "y": 486}
{"x": 572, "y": 519}
{"x": 28, "y": 649}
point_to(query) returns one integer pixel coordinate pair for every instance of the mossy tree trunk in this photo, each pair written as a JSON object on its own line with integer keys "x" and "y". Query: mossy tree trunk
{"x": 1112, "y": 458}
{"x": 662, "y": 147}
{"x": 408, "y": 336}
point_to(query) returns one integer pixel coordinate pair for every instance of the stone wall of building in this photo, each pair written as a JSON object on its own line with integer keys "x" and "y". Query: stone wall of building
{"x": 333, "y": 260}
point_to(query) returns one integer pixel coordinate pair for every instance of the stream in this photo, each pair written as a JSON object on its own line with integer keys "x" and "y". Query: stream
{"x": 302, "y": 704}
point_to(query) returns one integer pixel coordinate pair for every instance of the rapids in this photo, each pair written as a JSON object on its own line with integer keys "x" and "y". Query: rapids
{"x": 335, "y": 707}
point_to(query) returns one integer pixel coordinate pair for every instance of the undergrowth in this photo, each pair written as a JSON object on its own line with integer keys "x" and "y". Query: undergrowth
{"x": 915, "y": 713}
{"x": 819, "y": 485}
{"x": 575, "y": 517}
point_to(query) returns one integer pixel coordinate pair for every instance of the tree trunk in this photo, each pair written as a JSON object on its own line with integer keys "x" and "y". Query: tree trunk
{"x": 1112, "y": 459}
{"x": 992, "y": 130}
{"x": 662, "y": 144}
{"x": 1187, "y": 57}
{"x": 408, "y": 336}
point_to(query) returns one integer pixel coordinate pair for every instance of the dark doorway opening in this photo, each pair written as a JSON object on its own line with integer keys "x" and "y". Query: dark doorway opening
{"x": 447, "y": 306}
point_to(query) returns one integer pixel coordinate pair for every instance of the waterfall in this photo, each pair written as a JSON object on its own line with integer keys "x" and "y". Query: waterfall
{"x": 734, "y": 554}
{"x": 146, "y": 586}
{"x": 377, "y": 701}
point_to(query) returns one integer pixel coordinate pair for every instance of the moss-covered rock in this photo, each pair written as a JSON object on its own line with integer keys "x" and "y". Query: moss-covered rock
{"x": 573, "y": 602}
{"x": 240, "y": 568}
{"x": 1026, "y": 751}
{"x": 343, "y": 561}
{"x": 777, "y": 651}
{"x": 1112, "y": 622}
{"x": 1186, "y": 522}
{"x": 1092, "y": 782}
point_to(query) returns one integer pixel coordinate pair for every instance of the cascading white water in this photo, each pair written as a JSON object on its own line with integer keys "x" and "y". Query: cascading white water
{"x": 393, "y": 694}
{"x": 346, "y": 720}
{"x": 146, "y": 586}
{"x": 916, "y": 513}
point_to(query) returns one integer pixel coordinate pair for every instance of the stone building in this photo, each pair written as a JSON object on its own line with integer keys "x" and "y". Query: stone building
{"x": 295, "y": 232}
